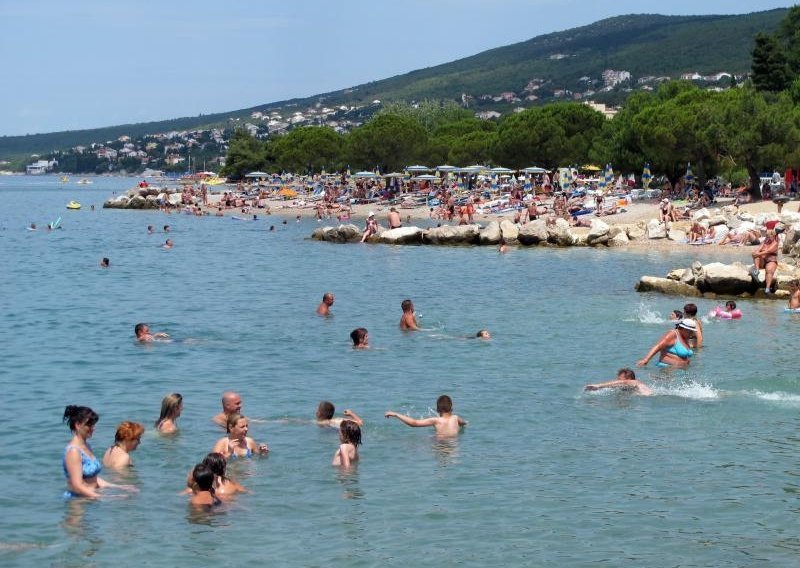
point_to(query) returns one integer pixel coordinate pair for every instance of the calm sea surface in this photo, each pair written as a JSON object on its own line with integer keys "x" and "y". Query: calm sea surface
{"x": 705, "y": 473}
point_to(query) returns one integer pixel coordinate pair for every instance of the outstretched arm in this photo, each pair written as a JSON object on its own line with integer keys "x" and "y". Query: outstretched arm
{"x": 663, "y": 343}
{"x": 353, "y": 416}
{"x": 606, "y": 385}
{"x": 411, "y": 421}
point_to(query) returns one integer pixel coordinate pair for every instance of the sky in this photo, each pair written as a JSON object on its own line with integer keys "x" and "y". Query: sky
{"x": 77, "y": 64}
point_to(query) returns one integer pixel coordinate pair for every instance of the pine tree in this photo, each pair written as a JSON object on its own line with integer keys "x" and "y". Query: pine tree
{"x": 770, "y": 71}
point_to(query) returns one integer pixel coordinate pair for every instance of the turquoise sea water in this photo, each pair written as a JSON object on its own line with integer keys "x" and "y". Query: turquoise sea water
{"x": 705, "y": 473}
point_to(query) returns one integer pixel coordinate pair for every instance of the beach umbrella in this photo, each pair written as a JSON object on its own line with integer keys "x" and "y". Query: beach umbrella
{"x": 689, "y": 175}
{"x": 426, "y": 177}
{"x": 417, "y": 168}
{"x": 365, "y": 174}
{"x": 256, "y": 175}
{"x": 501, "y": 171}
{"x": 609, "y": 175}
{"x": 445, "y": 168}
{"x": 646, "y": 176}
{"x": 535, "y": 170}
{"x": 394, "y": 175}
{"x": 591, "y": 168}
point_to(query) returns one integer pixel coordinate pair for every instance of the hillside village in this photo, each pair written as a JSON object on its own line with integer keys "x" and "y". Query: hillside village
{"x": 182, "y": 151}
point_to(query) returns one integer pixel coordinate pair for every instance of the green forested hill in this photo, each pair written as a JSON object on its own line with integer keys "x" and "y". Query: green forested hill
{"x": 642, "y": 44}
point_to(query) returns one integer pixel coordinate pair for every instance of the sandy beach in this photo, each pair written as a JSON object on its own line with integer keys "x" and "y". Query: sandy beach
{"x": 638, "y": 211}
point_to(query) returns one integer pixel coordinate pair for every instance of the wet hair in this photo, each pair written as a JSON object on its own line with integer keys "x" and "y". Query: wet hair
{"x": 169, "y": 407}
{"x": 482, "y": 333}
{"x": 233, "y": 418}
{"x": 627, "y": 373}
{"x": 730, "y": 304}
{"x": 139, "y": 328}
{"x": 74, "y": 415}
{"x": 327, "y": 295}
{"x": 216, "y": 462}
{"x": 325, "y": 410}
{"x": 678, "y": 314}
{"x": 407, "y": 305}
{"x": 350, "y": 432}
{"x": 105, "y": 261}
{"x": 203, "y": 477}
{"x": 444, "y": 404}
{"x": 690, "y": 310}
{"x": 358, "y": 335}
{"x": 128, "y": 431}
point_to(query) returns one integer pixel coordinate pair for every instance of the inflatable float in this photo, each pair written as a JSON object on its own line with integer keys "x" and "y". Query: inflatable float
{"x": 74, "y": 205}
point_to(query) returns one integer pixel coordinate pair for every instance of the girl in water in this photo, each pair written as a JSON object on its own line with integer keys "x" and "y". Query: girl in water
{"x": 203, "y": 494}
{"x": 81, "y": 467}
{"x": 126, "y": 440}
{"x": 237, "y": 444}
{"x": 171, "y": 408}
{"x": 350, "y": 438}
{"x": 673, "y": 347}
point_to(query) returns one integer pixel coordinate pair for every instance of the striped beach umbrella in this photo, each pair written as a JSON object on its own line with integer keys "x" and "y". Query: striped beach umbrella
{"x": 601, "y": 182}
{"x": 609, "y": 175}
{"x": 647, "y": 177}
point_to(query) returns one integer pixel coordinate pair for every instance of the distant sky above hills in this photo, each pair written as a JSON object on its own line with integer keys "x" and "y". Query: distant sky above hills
{"x": 69, "y": 65}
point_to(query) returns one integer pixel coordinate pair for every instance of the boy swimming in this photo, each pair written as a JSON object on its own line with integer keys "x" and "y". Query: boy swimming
{"x": 446, "y": 424}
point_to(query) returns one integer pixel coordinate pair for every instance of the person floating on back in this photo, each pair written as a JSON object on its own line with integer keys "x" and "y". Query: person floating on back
{"x": 446, "y": 424}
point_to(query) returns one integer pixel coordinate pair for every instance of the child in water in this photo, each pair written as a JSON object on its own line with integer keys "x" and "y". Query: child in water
{"x": 350, "y": 438}
{"x": 408, "y": 321}
{"x": 203, "y": 494}
{"x": 360, "y": 337}
{"x": 626, "y": 380}
{"x": 446, "y": 424}
{"x": 325, "y": 412}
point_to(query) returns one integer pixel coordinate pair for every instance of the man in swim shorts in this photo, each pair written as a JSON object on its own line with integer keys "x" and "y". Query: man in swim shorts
{"x": 231, "y": 404}
{"x": 394, "y": 219}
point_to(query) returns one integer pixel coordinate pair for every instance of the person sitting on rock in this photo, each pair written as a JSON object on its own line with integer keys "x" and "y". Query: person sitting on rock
{"x": 371, "y": 227}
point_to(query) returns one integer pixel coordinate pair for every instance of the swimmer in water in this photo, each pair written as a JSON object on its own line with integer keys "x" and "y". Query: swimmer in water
{"x": 126, "y": 440}
{"x": 325, "y": 415}
{"x": 675, "y": 315}
{"x": 483, "y": 334}
{"x": 408, "y": 321}
{"x": 203, "y": 492}
{"x": 324, "y": 307}
{"x": 171, "y": 408}
{"x": 503, "y": 248}
{"x": 360, "y": 337}
{"x": 168, "y": 244}
{"x": 231, "y": 404}
{"x": 446, "y": 424}
{"x": 166, "y": 228}
{"x": 143, "y": 335}
{"x": 350, "y": 438}
{"x": 794, "y": 294}
{"x": 237, "y": 444}
{"x": 673, "y": 347}
{"x": 150, "y": 230}
{"x": 626, "y": 380}
{"x": 104, "y": 263}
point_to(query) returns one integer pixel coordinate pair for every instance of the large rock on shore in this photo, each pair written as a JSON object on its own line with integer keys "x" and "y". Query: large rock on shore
{"x": 533, "y": 233}
{"x": 560, "y": 234}
{"x": 452, "y": 235}
{"x": 342, "y": 234}
{"x": 666, "y": 286}
{"x": 509, "y": 230}
{"x": 401, "y": 236}
{"x": 597, "y": 231}
{"x": 728, "y": 279}
{"x": 656, "y": 230}
{"x": 490, "y": 235}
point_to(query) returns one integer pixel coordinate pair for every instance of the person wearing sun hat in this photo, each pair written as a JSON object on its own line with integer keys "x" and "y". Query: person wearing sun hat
{"x": 673, "y": 347}
{"x": 371, "y": 227}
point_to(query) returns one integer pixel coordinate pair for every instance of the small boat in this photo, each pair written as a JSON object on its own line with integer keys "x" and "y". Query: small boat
{"x": 73, "y": 205}
{"x": 84, "y": 181}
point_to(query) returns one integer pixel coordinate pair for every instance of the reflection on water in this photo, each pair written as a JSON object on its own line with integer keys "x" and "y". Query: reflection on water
{"x": 208, "y": 515}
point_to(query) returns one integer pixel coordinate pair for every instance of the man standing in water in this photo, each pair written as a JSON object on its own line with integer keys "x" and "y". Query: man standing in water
{"x": 231, "y": 404}
{"x": 408, "y": 321}
{"x": 324, "y": 309}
